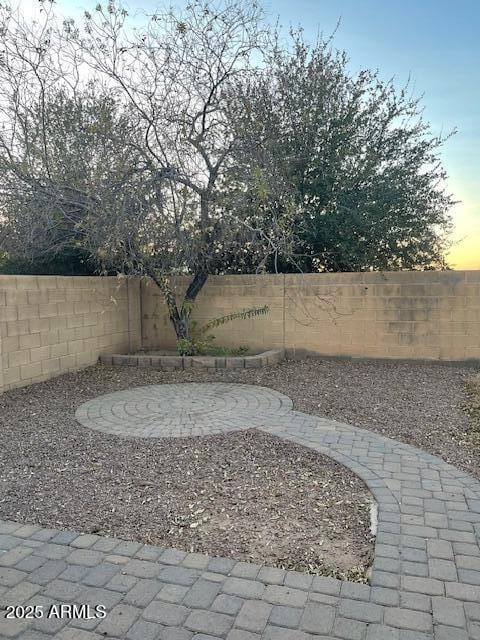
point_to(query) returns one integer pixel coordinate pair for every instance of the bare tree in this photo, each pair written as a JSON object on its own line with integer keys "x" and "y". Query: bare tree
{"x": 176, "y": 75}
{"x": 65, "y": 147}
{"x": 145, "y": 197}
{"x": 194, "y": 141}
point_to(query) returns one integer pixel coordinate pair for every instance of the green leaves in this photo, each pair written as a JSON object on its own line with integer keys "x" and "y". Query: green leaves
{"x": 244, "y": 314}
{"x": 199, "y": 341}
{"x": 351, "y": 159}
{"x": 182, "y": 27}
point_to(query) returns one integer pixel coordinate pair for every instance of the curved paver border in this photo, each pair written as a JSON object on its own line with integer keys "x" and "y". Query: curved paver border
{"x": 425, "y": 579}
{"x": 182, "y": 410}
{"x": 171, "y": 363}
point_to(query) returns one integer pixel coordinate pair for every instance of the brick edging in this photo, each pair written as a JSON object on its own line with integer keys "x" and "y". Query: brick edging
{"x": 170, "y": 363}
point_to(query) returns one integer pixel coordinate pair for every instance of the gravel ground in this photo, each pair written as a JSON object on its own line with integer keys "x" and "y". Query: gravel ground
{"x": 247, "y": 495}
{"x": 473, "y": 408}
{"x": 231, "y": 487}
{"x": 422, "y": 404}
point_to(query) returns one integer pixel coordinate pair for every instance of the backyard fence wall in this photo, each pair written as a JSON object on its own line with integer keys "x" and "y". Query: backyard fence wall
{"x": 51, "y": 325}
{"x": 432, "y": 315}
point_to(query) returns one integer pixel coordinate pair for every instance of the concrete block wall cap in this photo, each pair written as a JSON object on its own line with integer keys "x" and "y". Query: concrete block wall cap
{"x": 144, "y": 361}
{"x": 155, "y": 362}
{"x": 207, "y": 362}
{"x": 253, "y": 362}
{"x": 171, "y": 363}
{"x": 235, "y": 363}
{"x": 187, "y": 362}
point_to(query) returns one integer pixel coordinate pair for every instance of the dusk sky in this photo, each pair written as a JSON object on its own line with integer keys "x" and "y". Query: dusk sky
{"x": 437, "y": 43}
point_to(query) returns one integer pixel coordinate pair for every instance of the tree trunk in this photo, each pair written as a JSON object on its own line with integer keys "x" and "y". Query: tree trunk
{"x": 178, "y": 323}
{"x": 195, "y": 286}
{"x": 179, "y": 318}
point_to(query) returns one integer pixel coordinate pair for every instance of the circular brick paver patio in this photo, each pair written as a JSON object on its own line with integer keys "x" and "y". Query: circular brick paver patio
{"x": 182, "y": 409}
{"x": 425, "y": 581}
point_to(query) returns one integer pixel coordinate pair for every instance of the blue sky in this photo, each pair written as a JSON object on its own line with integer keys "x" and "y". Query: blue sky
{"x": 437, "y": 43}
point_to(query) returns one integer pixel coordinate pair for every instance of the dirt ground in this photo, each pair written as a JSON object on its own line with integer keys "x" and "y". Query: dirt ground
{"x": 247, "y": 495}
{"x": 473, "y": 408}
{"x": 422, "y": 404}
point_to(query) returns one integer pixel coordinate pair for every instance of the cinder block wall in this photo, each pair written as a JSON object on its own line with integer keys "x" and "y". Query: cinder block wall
{"x": 51, "y": 325}
{"x": 432, "y": 315}
{"x": 220, "y": 296}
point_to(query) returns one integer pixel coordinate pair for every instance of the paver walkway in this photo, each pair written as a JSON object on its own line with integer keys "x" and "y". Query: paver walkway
{"x": 425, "y": 581}
{"x": 192, "y": 409}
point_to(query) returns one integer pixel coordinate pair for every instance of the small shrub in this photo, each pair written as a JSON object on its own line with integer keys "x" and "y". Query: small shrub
{"x": 200, "y": 342}
{"x": 219, "y": 351}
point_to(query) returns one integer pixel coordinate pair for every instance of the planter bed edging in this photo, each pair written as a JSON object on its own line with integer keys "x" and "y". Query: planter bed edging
{"x": 170, "y": 363}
